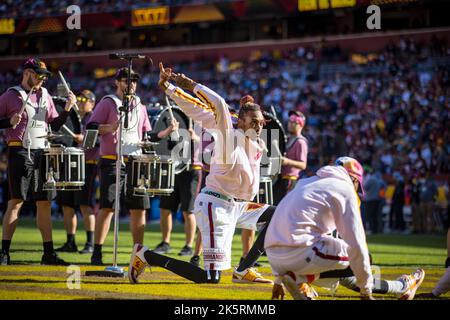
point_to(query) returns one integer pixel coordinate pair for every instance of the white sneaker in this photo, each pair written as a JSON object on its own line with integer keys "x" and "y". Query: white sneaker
{"x": 413, "y": 282}
{"x": 137, "y": 263}
{"x": 301, "y": 291}
{"x": 249, "y": 275}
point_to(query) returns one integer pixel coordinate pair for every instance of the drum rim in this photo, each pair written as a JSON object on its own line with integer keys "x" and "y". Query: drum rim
{"x": 63, "y": 150}
{"x": 153, "y": 190}
{"x": 161, "y": 111}
{"x": 147, "y": 158}
{"x": 78, "y": 183}
{"x": 141, "y": 157}
{"x": 76, "y": 149}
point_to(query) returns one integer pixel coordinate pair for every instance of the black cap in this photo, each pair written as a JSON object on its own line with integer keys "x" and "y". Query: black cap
{"x": 37, "y": 65}
{"x": 296, "y": 113}
{"x": 122, "y": 73}
{"x": 88, "y": 94}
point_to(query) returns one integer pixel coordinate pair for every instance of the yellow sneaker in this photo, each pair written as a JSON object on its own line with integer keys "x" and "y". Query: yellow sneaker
{"x": 301, "y": 291}
{"x": 137, "y": 263}
{"x": 249, "y": 275}
{"x": 413, "y": 282}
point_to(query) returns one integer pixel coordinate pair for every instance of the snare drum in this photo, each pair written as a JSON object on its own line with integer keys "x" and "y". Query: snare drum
{"x": 151, "y": 174}
{"x": 265, "y": 193}
{"x": 62, "y": 168}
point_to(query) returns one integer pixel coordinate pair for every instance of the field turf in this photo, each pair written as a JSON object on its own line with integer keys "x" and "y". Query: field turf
{"x": 26, "y": 279}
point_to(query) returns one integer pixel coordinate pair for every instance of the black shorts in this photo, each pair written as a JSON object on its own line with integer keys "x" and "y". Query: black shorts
{"x": 108, "y": 187}
{"x": 25, "y": 179}
{"x": 85, "y": 196}
{"x": 66, "y": 198}
{"x": 187, "y": 186}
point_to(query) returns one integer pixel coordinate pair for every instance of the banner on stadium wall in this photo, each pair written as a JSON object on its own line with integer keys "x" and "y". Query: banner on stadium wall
{"x": 7, "y": 26}
{"x": 342, "y": 3}
{"x": 45, "y": 25}
{"x": 150, "y": 16}
{"x": 200, "y": 13}
{"x": 101, "y": 73}
{"x": 311, "y": 5}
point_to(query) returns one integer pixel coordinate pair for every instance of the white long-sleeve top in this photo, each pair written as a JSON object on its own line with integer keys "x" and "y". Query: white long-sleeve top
{"x": 234, "y": 169}
{"x": 317, "y": 206}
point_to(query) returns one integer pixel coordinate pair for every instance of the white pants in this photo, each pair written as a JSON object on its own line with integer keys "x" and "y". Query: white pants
{"x": 306, "y": 263}
{"x": 217, "y": 221}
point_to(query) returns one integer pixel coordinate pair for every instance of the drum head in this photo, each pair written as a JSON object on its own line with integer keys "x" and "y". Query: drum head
{"x": 164, "y": 148}
{"x": 265, "y": 179}
{"x": 73, "y": 150}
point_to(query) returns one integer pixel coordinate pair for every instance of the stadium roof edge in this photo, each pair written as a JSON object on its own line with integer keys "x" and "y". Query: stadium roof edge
{"x": 258, "y": 43}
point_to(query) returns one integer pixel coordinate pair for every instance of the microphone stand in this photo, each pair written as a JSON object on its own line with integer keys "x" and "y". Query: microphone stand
{"x": 126, "y": 97}
{"x": 115, "y": 270}
{"x": 124, "y": 110}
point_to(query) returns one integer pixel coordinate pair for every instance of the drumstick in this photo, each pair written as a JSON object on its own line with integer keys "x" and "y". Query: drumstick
{"x": 24, "y": 104}
{"x": 273, "y": 111}
{"x": 68, "y": 131}
{"x": 67, "y": 88}
{"x": 176, "y": 133}
{"x": 277, "y": 149}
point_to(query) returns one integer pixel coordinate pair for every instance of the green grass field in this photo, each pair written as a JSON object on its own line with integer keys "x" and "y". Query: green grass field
{"x": 26, "y": 279}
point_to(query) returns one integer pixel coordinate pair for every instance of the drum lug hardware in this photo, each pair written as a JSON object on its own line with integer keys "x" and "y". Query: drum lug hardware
{"x": 50, "y": 179}
{"x": 141, "y": 185}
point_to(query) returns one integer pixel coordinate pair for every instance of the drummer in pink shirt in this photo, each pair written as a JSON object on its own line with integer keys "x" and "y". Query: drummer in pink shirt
{"x": 25, "y": 125}
{"x": 105, "y": 118}
{"x": 295, "y": 159}
{"x": 84, "y": 198}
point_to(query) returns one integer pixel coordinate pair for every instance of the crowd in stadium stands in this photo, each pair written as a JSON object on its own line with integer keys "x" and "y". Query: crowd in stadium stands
{"x": 391, "y": 113}
{"x": 44, "y": 8}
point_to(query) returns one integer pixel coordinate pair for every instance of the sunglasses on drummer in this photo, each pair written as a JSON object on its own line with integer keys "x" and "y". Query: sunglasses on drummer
{"x": 82, "y": 99}
{"x": 39, "y": 76}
